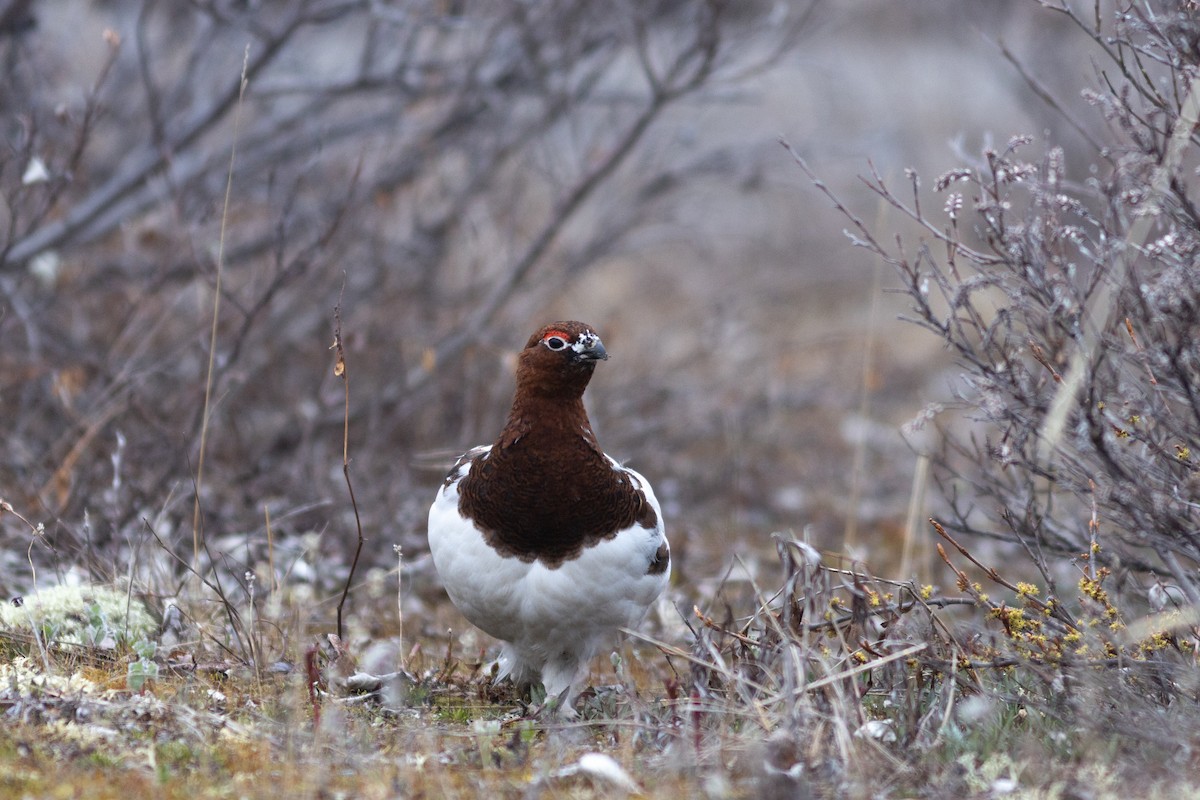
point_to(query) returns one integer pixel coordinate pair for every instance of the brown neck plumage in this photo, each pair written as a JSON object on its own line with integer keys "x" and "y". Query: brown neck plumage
{"x": 546, "y": 490}
{"x": 556, "y": 422}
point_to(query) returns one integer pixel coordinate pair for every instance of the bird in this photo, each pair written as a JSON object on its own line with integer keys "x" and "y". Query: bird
{"x": 541, "y": 539}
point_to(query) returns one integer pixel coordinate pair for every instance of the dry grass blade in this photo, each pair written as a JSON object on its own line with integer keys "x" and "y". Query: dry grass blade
{"x": 861, "y": 668}
{"x": 1098, "y": 314}
{"x": 197, "y": 516}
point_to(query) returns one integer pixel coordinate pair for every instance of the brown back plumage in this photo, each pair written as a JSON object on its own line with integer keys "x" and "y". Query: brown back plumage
{"x": 546, "y": 491}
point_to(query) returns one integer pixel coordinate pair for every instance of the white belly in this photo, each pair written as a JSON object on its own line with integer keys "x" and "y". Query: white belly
{"x": 544, "y": 612}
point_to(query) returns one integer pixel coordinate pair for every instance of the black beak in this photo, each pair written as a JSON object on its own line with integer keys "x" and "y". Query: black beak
{"x": 594, "y": 353}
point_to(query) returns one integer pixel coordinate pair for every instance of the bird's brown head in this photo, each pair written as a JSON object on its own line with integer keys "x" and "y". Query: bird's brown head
{"x": 559, "y": 360}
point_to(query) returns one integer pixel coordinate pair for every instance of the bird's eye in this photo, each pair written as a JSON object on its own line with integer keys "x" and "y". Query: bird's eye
{"x": 556, "y": 342}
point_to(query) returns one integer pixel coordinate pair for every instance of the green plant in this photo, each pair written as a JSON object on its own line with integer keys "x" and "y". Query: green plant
{"x": 144, "y": 669}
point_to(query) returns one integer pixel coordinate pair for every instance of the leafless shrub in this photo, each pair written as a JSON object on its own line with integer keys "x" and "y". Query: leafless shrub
{"x": 1021, "y": 268}
{"x": 1072, "y": 309}
{"x": 436, "y": 157}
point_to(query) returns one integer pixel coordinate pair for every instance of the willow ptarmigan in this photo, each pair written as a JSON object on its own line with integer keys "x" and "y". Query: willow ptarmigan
{"x": 541, "y": 539}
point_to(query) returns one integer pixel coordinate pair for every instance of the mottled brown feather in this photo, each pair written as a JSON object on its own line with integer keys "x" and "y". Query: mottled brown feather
{"x": 662, "y": 560}
{"x": 545, "y": 491}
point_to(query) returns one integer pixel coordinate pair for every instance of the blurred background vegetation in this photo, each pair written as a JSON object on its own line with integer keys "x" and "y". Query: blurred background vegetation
{"x": 466, "y": 171}
{"x": 744, "y": 198}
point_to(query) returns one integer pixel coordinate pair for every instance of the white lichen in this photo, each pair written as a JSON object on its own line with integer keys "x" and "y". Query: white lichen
{"x": 22, "y": 677}
{"x": 93, "y": 616}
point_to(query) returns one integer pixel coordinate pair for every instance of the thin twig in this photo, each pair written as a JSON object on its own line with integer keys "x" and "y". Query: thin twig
{"x": 339, "y": 370}
{"x": 400, "y": 605}
{"x": 235, "y": 620}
